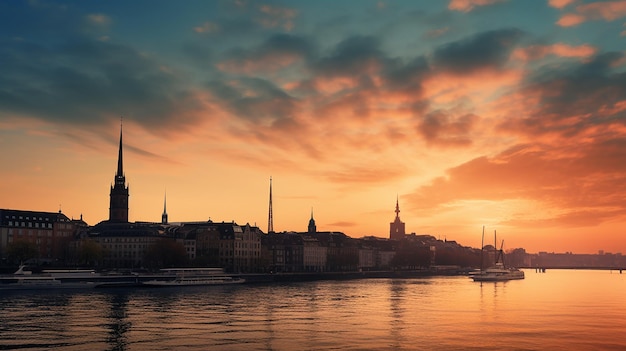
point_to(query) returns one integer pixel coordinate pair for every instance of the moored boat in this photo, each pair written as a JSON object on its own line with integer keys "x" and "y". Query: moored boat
{"x": 24, "y": 279}
{"x": 499, "y": 272}
{"x": 194, "y": 277}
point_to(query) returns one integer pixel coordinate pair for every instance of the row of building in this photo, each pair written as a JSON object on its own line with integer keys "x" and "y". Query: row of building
{"x": 116, "y": 242}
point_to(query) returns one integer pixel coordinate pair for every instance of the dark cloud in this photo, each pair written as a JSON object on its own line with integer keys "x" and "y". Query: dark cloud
{"x": 351, "y": 57}
{"x": 443, "y": 129}
{"x": 89, "y": 81}
{"x": 484, "y": 50}
{"x": 574, "y": 98}
{"x": 253, "y": 99}
{"x": 273, "y": 48}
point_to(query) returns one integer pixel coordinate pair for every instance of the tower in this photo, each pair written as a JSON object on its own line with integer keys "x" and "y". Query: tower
{"x": 164, "y": 215}
{"x": 396, "y": 228}
{"x": 118, "y": 208}
{"x": 312, "y": 226}
{"x": 270, "y": 219}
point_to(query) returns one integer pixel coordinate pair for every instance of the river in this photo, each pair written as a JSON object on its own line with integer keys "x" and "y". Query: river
{"x": 559, "y": 309}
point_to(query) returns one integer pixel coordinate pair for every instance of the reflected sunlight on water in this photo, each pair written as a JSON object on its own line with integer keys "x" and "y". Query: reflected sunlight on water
{"x": 565, "y": 309}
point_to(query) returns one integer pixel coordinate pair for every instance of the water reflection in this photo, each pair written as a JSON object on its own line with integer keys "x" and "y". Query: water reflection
{"x": 391, "y": 314}
{"x": 118, "y": 323}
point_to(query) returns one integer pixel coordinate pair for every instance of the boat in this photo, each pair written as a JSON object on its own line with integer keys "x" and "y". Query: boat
{"x": 24, "y": 279}
{"x": 193, "y": 277}
{"x": 498, "y": 272}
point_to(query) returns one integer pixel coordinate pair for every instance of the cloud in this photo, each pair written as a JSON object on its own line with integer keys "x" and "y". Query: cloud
{"x": 483, "y": 50}
{"x": 605, "y": 10}
{"x": 207, "y": 27}
{"x": 436, "y": 33}
{"x": 559, "y": 4}
{"x": 253, "y": 99}
{"x": 275, "y": 16}
{"x": 573, "y": 99}
{"x": 444, "y": 129}
{"x": 586, "y": 180}
{"x": 277, "y": 52}
{"x": 536, "y": 52}
{"x": 86, "y": 82}
{"x": 469, "y": 5}
{"x": 99, "y": 19}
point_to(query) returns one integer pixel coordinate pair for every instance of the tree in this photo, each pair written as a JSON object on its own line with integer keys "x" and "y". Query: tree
{"x": 165, "y": 253}
{"x": 21, "y": 250}
{"x": 90, "y": 253}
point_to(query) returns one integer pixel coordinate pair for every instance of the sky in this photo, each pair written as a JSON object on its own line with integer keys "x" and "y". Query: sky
{"x": 505, "y": 114}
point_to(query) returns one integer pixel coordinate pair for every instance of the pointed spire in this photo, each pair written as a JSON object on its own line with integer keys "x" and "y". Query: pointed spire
{"x": 397, "y": 208}
{"x": 312, "y": 227}
{"x": 120, "y": 165}
{"x": 270, "y": 220}
{"x": 165, "y": 203}
{"x": 164, "y": 215}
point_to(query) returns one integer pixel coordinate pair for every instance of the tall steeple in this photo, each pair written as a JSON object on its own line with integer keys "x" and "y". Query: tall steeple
{"x": 397, "y": 227}
{"x": 118, "y": 209}
{"x": 164, "y": 215}
{"x": 270, "y": 219}
{"x": 120, "y": 163}
{"x": 312, "y": 226}
{"x": 397, "y": 208}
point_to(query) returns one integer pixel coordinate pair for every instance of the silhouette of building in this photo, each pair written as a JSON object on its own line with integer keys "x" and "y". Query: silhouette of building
{"x": 270, "y": 217}
{"x": 49, "y": 232}
{"x": 164, "y": 215}
{"x": 397, "y": 228}
{"x": 118, "y": 209}
{"x": 312, "y": 226}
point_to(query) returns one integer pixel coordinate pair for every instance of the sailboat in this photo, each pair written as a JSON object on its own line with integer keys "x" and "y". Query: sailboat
{"x": 498, "y": 272}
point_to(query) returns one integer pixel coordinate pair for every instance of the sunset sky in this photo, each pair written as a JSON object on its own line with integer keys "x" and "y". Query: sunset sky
{"x": 507, "y": 114}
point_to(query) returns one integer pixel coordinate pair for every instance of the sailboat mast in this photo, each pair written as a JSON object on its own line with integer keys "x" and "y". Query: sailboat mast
{"x": 482, "y": 246}
{"x": 495, "y": 247}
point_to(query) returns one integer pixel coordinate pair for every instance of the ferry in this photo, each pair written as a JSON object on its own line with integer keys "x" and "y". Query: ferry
{"x": 49, "y": 279}
{"x": 24, "y": 279}
{"x": 193, "y": 277}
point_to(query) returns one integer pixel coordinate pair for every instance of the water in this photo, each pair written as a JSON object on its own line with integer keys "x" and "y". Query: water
{"x": 564, "y": 309}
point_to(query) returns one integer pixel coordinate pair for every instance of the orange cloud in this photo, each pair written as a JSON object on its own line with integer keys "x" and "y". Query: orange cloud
{"x": 559, "y": 4}
{"x": 536, "y": 52}
{"x": 570, "y": 20}
{"x": 469, "y": 5}
{"x": 274, "y": 16}
{"x": 261, "y": 64}
{"x": 607, "y": 11}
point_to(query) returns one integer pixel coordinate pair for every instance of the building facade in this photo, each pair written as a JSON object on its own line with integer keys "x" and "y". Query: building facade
{"x": 50, "y": 232}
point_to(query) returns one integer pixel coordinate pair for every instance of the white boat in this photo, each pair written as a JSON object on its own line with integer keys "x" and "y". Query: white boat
{"x": 194, "y": 277}
{"x": 499, "y": 272}
{"x": 50, "y": 279}
{"x": 24, "y": 279}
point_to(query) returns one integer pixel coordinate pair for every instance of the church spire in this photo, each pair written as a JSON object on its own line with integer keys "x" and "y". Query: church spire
{"x": 120, "y": 164}
{"x": 312, "y": 226}
{"x": 164, "y": 215}
{"x": 397, "y": 227}
{"x": 270, "y": 217}
{"x": 397, "y": 208}
{"x": 118, "y": 208}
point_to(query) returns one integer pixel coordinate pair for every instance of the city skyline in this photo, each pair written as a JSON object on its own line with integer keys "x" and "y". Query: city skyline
{"x": 507, "y": 114}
